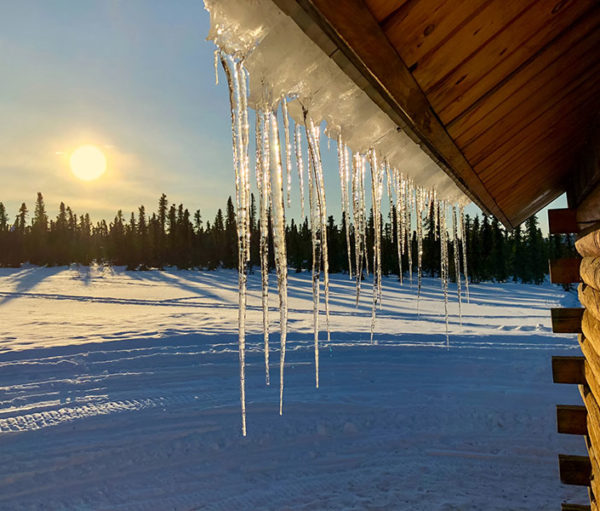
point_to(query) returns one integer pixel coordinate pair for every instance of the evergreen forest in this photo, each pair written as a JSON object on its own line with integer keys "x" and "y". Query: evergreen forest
{"x": 172, "y": 236}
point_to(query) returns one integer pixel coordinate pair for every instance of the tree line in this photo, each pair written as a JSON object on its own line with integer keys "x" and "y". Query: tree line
{"x": 172, "y": 236}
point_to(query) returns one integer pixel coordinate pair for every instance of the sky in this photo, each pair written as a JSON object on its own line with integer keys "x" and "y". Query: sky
{"x": 134, "y": 78}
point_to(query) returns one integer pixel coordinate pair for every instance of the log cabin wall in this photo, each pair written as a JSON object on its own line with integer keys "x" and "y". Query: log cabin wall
{"x": 583, "y": 371}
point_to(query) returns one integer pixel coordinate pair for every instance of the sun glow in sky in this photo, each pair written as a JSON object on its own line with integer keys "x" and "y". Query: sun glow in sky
{"x": 136, "y": 78}
{"x": 88, "y": 163}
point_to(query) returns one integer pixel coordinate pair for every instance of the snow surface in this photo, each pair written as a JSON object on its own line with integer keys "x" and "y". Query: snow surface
{"x": 119, "y": 391}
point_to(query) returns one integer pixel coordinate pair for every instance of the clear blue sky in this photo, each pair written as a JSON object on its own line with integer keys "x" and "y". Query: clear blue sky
{"x": 134, "y": 78}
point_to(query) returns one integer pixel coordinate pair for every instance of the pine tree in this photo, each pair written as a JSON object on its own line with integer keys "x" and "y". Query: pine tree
{"x": 498, "y": 252}
{"x": 3, "y": 218}
{"x": 229, "y": 255}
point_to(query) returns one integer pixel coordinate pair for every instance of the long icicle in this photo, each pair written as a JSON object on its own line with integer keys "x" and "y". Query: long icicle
{"x": 463, "y": 236}
{"x": 316, "y": 235}
{"x": 263, "y": 179}
{"x": 245, "y": 131}
{"x": 343, "y": 171}
{"x": 300, "y": 166}
{"x": 398, "y": 219}
{"x": 358, "y": 223}
{"x": 456, "y": 249}
{"x": 348, "y": 220}
{"x": 376, "y": 202}
{"x": 241, "y": 176}
{"x": 278, "y": 216}
{"x": 288, "y": 149}
{"x": 419, "y": 224}
{"x": 363, "y": 213}
{"x": 319, "y": 180}
{"x": 444, "y": 263}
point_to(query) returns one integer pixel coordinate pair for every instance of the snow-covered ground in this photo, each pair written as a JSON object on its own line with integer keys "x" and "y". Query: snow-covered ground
{"x": 119, "y": 391}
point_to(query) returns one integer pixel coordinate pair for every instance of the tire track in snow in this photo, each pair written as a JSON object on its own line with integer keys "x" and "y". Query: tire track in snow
{"x": 49, "y": 418}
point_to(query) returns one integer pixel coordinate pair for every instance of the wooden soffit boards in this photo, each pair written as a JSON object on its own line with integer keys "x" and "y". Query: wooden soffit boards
{"x": 501, "y": 94}
{"x": 347, "y": 31}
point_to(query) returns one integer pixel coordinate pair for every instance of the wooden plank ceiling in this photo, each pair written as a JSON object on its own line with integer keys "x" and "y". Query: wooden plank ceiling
{"x": 515, "y": 84}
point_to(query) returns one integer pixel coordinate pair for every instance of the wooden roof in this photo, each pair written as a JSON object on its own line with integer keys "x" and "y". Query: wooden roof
{"x": 503, "y": 94}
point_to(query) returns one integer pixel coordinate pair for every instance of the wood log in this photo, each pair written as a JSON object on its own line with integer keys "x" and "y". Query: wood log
{"x": 568, "y": 370}
{"x": 574, "y": 470}
{"x": 566, "y": 320}
{"x": 590, "y": 299}
{"x": 592, "y": 422}
{"x": 590, "y": 327}
{"x": 592, "y": 361}
{"x": 594, "y": 477}
{"x": 562, "y": 221}
{"x": 590, "y": 271}
{"x": 571, "y": 419}
{"x": 591, "y": 381}
{"x": 589, "y": 245}
{"x": 565, "y": 270}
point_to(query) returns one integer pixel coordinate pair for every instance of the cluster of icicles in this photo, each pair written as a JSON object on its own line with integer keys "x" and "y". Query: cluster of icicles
{"x": 273, "y": 170}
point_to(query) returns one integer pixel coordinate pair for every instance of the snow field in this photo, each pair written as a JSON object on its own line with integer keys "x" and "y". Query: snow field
{"x": 119, "y": 390}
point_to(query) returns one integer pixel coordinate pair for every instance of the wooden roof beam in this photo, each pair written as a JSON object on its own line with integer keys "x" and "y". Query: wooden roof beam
{"x": 347, "y": 31}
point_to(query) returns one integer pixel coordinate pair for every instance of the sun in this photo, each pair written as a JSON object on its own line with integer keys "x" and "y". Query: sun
{"x": 88, "y": 162}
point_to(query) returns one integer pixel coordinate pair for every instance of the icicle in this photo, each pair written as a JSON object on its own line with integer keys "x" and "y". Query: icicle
{"x": 456, "y": 248}
{"x": 300, "y": 165}
{"x": 343, "y": 171}
{"x": 420, "y": 204}
{"x": 408, "y": 229}
{"x": 239, "y": 132}
{"x": 376, "y": 185}
{"x": 463, "y": 235}
{"x": 278, "y": 218}
{"x": 245, "y": 131}
{"x": 347, "y": 206}
{"x": 398, "y": 221}
{"x": 316, "y": 234}
{"x": 363, "y": 213}
{"x": 358, "y": 220}
{"x": 444, "y": 263}
{"x": 314, "y": 138}
{"x": 263, "y": 179}
{"x": 217, "y": 56}
{"x": 288, "y": 149}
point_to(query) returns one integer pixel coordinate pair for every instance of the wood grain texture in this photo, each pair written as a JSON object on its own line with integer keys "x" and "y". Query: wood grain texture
{"x": 422, "y": 27}
{"x": 589, "y": 245}
{"x": 523, "y": 31}
{"x": 590, "y": 299}
{"x": 593, "y": 434}
{"x": 368, "y": 53}
{"x": 552, "y": 68}
{"x": 590, "y": 328}
{"x": 502, "y": 94}
{"x": 590, "y": 271}
{"x": 385, "y": 9}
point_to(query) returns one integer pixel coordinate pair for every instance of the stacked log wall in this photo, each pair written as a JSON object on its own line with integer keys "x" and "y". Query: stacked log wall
{"x": 585, "y": 322}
